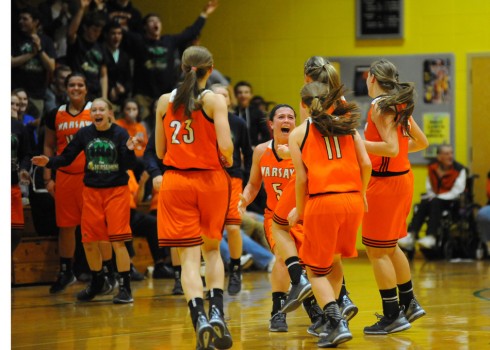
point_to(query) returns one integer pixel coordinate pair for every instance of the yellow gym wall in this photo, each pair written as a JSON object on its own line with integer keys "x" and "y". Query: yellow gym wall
{"x": 267, "y": 41}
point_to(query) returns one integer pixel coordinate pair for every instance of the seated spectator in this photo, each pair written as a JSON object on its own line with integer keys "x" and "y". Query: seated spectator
{"x": 483, "y": 219}
{"x": 84, "y": 53}
{"x": 118, "y": 65}
{"x": 445, "y": 183}
{"x": 254, "y": 253}
{"x": 56, "y": 92}
{"x": 33, "y": 58}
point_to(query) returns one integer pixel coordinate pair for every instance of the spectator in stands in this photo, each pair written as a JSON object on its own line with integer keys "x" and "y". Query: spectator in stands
{"x": 84, "y": 53}
{"x": 132, "y": 123}
{"x": 56, "y": 92}
{"x": 446, "y": 181}
{"x": 124, "y": 13}
{"x": 20, "y": 154}
{"x": 118, "y": 65}
{"x": 32, "y": 58}
{"x": 154, "y": 56}
{"x": 25, "y": 116}
{"x": 257, "y": 127}
{"x": 55, "y": 18}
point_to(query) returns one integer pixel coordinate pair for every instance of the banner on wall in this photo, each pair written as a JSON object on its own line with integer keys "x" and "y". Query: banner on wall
{"x": 437, "y": 128}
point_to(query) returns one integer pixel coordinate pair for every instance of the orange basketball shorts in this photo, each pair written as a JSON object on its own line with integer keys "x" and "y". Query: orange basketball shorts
{"x": 191, "y": 204}
{"x": 330, "y": 226}
{"x": 105, "y": 215}
{"x": 389, "y": 200}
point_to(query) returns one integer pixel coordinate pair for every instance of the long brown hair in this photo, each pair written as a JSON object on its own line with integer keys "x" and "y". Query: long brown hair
{"x": 196, "y": 62}
{"x": 399, "y": 96}
{"x": 320, "y": 69}
{"x": 319, "y": 98}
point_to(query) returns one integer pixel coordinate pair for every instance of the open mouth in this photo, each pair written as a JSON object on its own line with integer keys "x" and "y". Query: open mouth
{"x": 98, "y": 120}
{"x": 285, "y": 130}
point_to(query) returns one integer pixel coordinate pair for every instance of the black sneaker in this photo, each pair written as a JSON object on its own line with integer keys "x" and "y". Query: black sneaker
{"x": 178, "y": 290}
{"x": 123, "y": 297}
{"x": 386, "y": 325}
{"x": 331, "y": 337}
{"x": 414, "y": 311}
{"x": 65, "y": 279}
{"x": 278, "y": 323}
{"x": 296, "y": 295}
{"x": 317, "y": 320}
{"x": 347, "y": 308}
{"x": 91, "y": 291}
{"x": 135, "y": 275}
{"x": 235, "y": 282}
{"x": 222, "y": 335}
{"x": 204, "y": 333}
{"x": 161, "y": 271}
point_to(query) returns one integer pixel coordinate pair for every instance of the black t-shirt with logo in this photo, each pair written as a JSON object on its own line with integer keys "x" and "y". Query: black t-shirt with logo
{"x": 106, "y": 153}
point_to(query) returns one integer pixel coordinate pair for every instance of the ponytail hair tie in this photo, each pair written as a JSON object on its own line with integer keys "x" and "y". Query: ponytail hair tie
{"x": 194, "y": 69}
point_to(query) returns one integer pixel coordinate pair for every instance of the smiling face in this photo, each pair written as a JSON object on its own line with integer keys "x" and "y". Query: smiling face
{"x": 76, "y": 89}
{"x": 101, "y": 115}
{"x": 283, "y": 122}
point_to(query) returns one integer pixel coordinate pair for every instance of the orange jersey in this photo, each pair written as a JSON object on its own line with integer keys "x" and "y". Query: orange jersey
{"x": 331, "y": 162}
{"x": 397, "y": 164}
{"x": 191, "y": 142}
{"x": 133, "y": 130}
{"x": 66, "y": 126}
{"x": 133, "y": 189}
{"x": 276, "y": 173}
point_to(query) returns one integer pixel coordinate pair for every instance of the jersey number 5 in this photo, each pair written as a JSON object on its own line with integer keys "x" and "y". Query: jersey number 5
{"x": 336, "y": 148}
{"x": 177, "y": 125}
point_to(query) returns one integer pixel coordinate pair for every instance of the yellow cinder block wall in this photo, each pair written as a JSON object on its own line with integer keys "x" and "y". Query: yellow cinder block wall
{"x": 267, "y": 41}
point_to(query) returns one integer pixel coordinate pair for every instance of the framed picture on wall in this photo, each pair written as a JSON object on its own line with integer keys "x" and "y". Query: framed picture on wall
{"x": 379, "y": 19}
{"x": 437, "y": 88}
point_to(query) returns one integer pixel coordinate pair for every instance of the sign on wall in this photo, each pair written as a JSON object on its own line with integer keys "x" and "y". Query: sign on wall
{"x": 379, "y": 19}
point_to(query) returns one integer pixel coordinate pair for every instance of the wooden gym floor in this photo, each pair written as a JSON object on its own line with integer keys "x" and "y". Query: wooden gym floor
{"x": 455, "y": 295}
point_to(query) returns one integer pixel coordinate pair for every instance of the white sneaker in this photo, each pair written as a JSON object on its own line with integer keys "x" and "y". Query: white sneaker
{"x": 246, "y": 261}
{"x": 427, "y": 242}
{"x": 407, "y": 242}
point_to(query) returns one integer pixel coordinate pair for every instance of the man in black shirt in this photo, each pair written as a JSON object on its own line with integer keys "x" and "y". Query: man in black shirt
{"x": 256, "y": 123}
{"x": 154, "y": 56}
